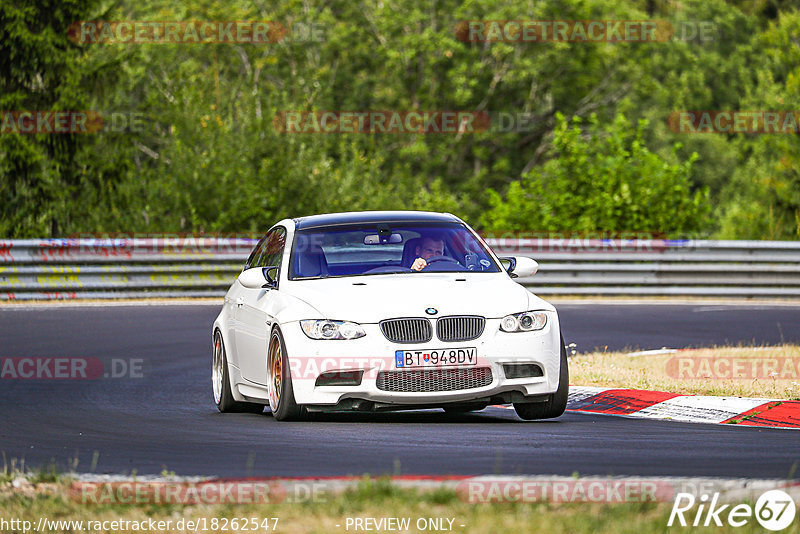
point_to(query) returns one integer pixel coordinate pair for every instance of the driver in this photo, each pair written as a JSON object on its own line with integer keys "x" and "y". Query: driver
{"x": 430, "y": 247}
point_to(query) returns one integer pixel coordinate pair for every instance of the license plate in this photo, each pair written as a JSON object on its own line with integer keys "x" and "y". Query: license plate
{"x": 463, "y": 357}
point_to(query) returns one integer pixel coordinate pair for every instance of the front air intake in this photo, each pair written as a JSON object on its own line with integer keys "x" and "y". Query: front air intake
{"x": 427, "y": 380}
{"x": 522, "y": 370}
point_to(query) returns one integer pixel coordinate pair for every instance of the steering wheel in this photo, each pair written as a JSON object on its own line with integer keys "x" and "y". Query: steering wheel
{"x": 444, "y": 264}
{"x": 434, "y": 259}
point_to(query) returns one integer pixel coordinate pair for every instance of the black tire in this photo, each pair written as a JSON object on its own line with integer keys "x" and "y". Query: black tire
{"x": 226, "y": 402}
{"x": 465, "y": 408}
{"x": 558, "y": 401}
{"x": 282, "y": 404}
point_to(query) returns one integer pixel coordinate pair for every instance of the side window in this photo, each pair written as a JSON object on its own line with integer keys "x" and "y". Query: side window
{"x": 257, "y": 251}
{"x": 273, "y": 249}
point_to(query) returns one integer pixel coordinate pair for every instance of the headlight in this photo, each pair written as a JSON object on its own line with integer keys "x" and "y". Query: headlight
{"x": 524, "y": 322}
{"x": 323, "y": 329}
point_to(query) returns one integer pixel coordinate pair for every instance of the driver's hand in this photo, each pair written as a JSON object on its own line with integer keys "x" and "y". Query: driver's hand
{"x": 419, "y": 264}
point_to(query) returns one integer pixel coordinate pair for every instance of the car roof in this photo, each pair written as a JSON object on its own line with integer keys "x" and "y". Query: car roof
{"x": 372, "y": 217}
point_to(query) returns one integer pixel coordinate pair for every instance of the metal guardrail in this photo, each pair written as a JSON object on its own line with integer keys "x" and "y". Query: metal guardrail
{"x": 205, "y": 267}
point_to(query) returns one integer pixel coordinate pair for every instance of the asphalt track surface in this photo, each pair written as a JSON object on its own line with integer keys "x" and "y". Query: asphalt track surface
{"x": 166, "y": 419}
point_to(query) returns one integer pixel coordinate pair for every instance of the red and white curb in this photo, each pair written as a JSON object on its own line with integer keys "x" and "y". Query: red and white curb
{"x": 740, "y": 411}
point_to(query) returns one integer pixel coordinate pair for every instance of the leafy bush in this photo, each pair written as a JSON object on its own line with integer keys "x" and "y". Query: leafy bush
{"x": 601, "y": 179}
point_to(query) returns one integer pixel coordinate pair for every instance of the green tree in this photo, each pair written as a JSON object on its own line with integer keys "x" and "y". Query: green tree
{"x": 762, "y": 198}
{"x": 601, "y": 179}
{"x": 209, "y": 158}
{"x": 40, "y": 69}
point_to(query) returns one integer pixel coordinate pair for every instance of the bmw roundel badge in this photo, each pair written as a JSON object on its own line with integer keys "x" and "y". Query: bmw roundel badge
{"x": 431, "y": 311}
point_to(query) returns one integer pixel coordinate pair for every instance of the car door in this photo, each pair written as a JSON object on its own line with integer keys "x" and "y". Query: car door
{"x": 252, "y": 312}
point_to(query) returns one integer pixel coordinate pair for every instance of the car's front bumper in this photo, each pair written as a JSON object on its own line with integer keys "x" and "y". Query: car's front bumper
{"x": 374, "y": 354}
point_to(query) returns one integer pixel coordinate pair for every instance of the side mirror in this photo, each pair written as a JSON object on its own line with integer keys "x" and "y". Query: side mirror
{"x": 271, "y": 274}
{"x": 252, "y": 278}
{"x": 520, "y": 266}
{"x": 257, "y": 278}
{"x": 509, "y": 264}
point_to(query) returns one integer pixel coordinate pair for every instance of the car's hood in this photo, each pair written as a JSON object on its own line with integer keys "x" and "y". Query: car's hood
{"x": 369, "y": 299}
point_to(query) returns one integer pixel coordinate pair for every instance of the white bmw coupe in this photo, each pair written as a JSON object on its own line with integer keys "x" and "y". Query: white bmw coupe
{"x": 385, "y": 311}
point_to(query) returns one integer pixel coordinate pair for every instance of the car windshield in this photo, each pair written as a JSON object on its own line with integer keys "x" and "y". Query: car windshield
{"x": 385, "y": 248}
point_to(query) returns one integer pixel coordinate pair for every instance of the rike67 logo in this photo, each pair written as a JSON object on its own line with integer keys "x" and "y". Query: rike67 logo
{"x": 774, "y": 510}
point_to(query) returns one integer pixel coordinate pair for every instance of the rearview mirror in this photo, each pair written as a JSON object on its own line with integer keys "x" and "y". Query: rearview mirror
{"x": 376, "y": 239}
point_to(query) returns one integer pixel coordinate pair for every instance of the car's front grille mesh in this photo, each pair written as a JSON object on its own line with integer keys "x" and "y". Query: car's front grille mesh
{"x": 418, "y": 329}
{"x": 460, "y": 328}
{"x": 434, "y": 379}
{"x": 408, "y": 330}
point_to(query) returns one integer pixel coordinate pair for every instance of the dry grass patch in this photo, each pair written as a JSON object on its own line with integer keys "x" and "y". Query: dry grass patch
{"x": 768, "y": 372}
